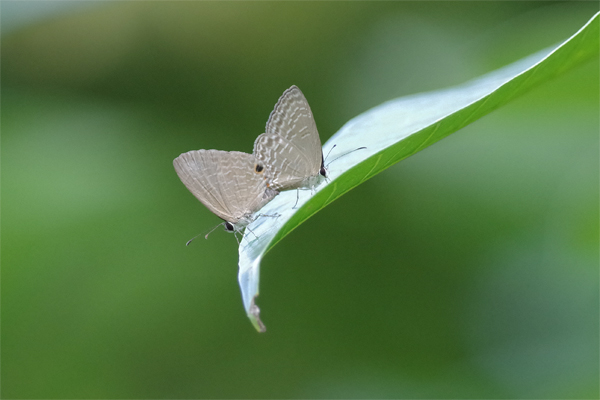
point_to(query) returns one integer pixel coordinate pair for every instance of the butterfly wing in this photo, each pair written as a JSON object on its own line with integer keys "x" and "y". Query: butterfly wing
{"x": 290, "y": 148}
{"x": 225, "y": 182}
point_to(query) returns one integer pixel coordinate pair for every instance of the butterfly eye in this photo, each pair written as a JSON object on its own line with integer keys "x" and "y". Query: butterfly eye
{"x": 229, "y": 227}
{"x": 258, "y": 168}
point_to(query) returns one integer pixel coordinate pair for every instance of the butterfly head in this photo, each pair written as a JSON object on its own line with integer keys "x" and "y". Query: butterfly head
{"x": 323, "y": 171}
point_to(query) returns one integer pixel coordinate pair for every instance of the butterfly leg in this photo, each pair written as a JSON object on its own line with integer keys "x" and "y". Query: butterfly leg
{"x": 297, "y": 198}
{"x": 250, "y": 230}
{"x": 276, "y": 215}
{"x": 236, "y": 238}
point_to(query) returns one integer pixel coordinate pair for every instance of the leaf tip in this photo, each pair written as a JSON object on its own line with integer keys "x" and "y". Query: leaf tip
{"x": 254, "y": 315}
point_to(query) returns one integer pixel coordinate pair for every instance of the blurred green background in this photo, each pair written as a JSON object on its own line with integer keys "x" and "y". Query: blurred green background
{"x": 469, "y": 270}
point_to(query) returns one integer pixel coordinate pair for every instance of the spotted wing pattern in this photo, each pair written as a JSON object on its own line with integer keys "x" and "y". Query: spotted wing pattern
{"x": 290, "y": 148}
{"x": 226, "y": 182}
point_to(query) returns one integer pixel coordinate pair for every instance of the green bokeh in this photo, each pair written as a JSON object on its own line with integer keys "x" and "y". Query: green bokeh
{"x": 469, "y": 270}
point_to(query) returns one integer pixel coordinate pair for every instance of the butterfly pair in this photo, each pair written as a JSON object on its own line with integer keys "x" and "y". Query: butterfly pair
{"x": 234, "y": 185}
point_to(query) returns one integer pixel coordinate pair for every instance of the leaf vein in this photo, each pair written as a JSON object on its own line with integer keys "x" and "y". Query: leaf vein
{"x": 368, "y": 175}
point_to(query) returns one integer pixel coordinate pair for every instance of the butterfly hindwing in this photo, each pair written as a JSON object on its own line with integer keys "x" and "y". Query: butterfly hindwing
{"x": 226, "y": 182}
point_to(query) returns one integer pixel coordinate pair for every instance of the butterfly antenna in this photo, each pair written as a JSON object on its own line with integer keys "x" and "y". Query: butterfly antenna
{"x": 206, "y": 236}
{"x": 190, "y": 241}
{"x": 345, "y": 154}
{"x": 329, "y": 152}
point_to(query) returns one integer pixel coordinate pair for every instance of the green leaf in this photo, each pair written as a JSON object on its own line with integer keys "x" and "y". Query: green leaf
{"x": 398, "y": 129}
